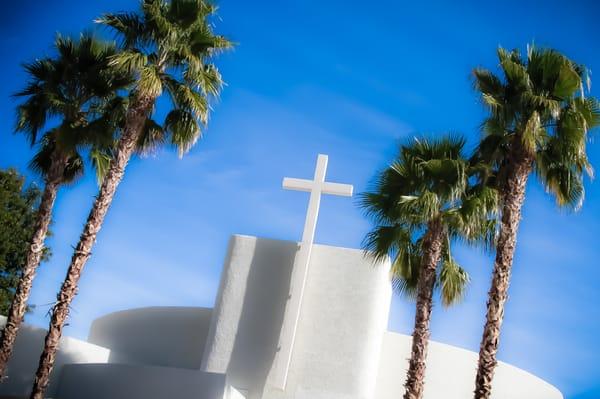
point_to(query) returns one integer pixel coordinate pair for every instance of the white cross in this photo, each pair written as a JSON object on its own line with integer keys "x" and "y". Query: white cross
{"x": 315, "y": 187}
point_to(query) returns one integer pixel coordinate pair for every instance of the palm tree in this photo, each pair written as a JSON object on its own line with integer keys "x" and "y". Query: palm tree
{"x": 539, "y": 118}
{"x": 78, "y": 87}
{"x": 421, "y": 204}
{"x": 168, "y": 46}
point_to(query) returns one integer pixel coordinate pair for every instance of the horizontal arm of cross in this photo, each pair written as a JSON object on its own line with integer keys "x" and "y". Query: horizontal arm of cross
{"x": 291, "y": 183}
{"x": 345, "y": 190}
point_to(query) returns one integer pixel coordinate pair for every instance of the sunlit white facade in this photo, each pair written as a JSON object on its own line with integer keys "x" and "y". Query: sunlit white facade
{"x": 342, "y": 348}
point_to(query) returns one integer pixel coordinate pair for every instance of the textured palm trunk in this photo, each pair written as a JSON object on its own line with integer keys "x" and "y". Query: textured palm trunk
{"x": 432, "y": 250}
{"x": 513, "y": 195}
{"x": 18, "y": 306}
{"x": 136, "y": 116}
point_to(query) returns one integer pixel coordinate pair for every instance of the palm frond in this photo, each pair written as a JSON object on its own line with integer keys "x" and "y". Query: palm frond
{"x": 74, "y": 168}
{"x": 418, "y": 209}
{"x": 41, "y": 70}
{"x": 183, "y": 129}
{"x": 208, "y": 79}
{"x": 31, "y": 117}
{"x": 514, "y": 71}
{"x": 387, "y": 240}
{"x": 152, "y": 137}
{"x": 131, "y": 28}
{"x": 150, "y": 82}
{"x": 533, "y": 133}
{"x": 184, "y": 97}
{"x": 405, "y": 272}
{"x": 40, "y": 163}
{"x": 561, "y": 173}
{"x": 185, "y": 12}
{"x": 100, "y": 160}
{"x": 156, "y": 16}
{"x": 452, "y": 280}
{"x": 568, "y": 81}
{"x": 129, "y": 61}
{"x": 589, "y": 109}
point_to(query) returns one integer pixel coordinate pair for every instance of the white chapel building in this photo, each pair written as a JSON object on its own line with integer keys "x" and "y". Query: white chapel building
{"x": 291, "y": 321}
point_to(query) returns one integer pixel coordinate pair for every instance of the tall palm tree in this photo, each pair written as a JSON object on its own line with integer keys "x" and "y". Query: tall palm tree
{"x": 169, "y": 46}
{"x": 78, "y": 87}
{"x": 421, "y": 204}
{"x": 539, "y": 118}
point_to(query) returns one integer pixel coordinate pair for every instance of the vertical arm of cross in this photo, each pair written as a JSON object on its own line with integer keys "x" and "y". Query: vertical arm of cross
{"x": 310, "y": 224}
{"x": 316, "y": 187}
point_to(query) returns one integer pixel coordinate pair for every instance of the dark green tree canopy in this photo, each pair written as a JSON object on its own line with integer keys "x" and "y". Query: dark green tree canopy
{"x": 18, "y": 205}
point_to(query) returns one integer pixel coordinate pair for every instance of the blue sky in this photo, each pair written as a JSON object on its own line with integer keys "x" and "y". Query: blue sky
{"x": 344, "y": 78}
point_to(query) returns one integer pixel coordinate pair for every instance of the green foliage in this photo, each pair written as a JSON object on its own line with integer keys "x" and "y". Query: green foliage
{"x": 78, "y": 87}
{"x": 429, "y": 181}
{"x": 169, "y": 47}
{"x": 539, "y": 105}
{"x": 18, "y": 205}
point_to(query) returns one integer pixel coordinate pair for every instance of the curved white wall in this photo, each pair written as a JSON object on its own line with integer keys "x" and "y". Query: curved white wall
{"x": 121, "y": 381}
{"x": 342, "y": 349}
{"x": 158, "y": 336}
{"x": 451, "y": 374}
{"x": 26, "y": 354}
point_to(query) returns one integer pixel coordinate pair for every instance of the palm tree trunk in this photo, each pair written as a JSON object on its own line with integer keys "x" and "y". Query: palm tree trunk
{"x": 432, "y": 249}
{"x": 513, "y": 195}
{"x": 136, "y": 116}
{"x": 18, "y": 306}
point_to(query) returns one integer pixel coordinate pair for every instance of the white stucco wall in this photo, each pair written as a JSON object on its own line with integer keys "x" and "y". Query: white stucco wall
{"x": 158, "y": 336}
{"x": 28, "y": 347}
{"x": 451, "y": 374}
{"x": 341, "y": 326}
{"x": 120, "y": 381}
{"x": 342, "y": 348}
